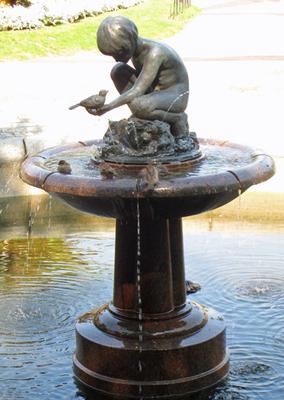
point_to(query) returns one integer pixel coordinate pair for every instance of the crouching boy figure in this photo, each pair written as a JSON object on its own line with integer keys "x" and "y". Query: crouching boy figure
{"x": 157, "y": 87}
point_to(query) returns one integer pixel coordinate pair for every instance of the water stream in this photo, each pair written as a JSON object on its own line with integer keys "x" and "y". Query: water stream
{"x": 139, "y": 298}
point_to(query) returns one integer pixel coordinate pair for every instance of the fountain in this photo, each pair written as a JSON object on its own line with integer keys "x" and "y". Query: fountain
{"x": 148, "y": 172}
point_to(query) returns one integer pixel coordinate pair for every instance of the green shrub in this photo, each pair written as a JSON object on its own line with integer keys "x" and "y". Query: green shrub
{"x": 24, "y": 3}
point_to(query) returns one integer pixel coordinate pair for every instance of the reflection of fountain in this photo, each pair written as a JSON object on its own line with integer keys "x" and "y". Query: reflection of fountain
{"x": 149, "y": 172}
{"x": 149, "y": 341}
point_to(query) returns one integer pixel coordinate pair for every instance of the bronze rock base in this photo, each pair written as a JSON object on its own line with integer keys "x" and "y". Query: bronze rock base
{"x": 171, "y": 356}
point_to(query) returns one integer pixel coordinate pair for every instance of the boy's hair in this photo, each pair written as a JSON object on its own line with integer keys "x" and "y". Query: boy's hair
{"x": 116, "y": 34}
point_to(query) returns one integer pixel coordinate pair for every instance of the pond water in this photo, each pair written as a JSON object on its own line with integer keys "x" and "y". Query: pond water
{"x": 47, "y": 280}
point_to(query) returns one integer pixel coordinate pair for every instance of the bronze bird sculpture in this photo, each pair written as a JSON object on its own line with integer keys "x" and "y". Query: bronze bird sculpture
{"x": 149, "y": 177}
{"x": 64, "y": 167}
{"x": 94, "y": 102}
{"x": 107, "y": 172}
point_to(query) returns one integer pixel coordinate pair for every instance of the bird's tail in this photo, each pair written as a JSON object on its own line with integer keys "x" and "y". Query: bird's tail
{"x": 74, "y": 106}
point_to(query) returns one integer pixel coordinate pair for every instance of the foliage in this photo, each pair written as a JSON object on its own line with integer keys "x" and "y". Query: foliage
{"x": 54, "y": 12}
{"x": 25, "y": 3}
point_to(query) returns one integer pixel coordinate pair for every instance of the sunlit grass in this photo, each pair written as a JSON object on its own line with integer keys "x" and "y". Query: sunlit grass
{"x": 152, "y": 18}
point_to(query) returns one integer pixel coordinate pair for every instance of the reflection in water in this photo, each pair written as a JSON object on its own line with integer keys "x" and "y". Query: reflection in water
{"x": 46, "y": 283}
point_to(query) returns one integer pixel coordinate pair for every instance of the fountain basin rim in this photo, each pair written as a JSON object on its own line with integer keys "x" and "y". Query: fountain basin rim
{"x": 36, "y": 174}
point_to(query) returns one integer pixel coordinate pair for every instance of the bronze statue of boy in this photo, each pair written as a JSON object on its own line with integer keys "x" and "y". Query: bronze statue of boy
{"x": 157, "y": 87}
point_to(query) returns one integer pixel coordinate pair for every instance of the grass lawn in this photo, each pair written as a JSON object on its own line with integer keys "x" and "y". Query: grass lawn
{"x": 151, "y": 17}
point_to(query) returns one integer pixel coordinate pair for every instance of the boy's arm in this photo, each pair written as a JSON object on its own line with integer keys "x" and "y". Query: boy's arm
{"x": 146, "y": 77}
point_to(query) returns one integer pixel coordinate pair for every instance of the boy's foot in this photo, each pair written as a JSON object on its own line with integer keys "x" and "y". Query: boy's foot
{"x": 180, "y": 128}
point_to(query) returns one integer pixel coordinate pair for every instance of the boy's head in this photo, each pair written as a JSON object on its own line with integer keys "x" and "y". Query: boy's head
{"x": 117, "y": 37}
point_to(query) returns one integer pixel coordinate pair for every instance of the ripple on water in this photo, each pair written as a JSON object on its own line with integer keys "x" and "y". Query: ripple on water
{"x": 261, "y": 289}
{"x": 251, "y": 368}
{"x": 243, "y": 278}
{"x": 225, "y": 392}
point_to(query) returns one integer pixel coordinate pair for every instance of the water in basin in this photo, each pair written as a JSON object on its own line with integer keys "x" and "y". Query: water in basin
{"x": 216, "y": 159}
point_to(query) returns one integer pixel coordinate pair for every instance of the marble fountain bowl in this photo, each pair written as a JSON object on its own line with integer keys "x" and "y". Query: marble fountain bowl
{"x": 150, "y": 341}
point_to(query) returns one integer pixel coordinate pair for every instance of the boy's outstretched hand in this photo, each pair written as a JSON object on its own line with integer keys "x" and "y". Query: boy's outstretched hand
{"x": 97, "y": 111}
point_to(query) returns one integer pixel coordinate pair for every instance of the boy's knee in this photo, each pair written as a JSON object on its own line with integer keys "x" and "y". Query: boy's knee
{"x": 140, "y": 108}
{"x": 117, "y": 70}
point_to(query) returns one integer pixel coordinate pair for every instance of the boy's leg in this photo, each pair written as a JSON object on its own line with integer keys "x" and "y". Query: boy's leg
{"x": 178, "y": 122}
{"x": 123, "y": 76}
{"x": 167, "y": 106}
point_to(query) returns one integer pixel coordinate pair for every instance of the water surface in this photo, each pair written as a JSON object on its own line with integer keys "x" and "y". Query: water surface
{"x": 47, "y": 282}
{"x": 216, "y": 159}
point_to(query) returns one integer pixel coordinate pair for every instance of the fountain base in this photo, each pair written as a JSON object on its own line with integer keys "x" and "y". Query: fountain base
{"x": 150, "y": 342}
{"x": 174, "y": 356}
